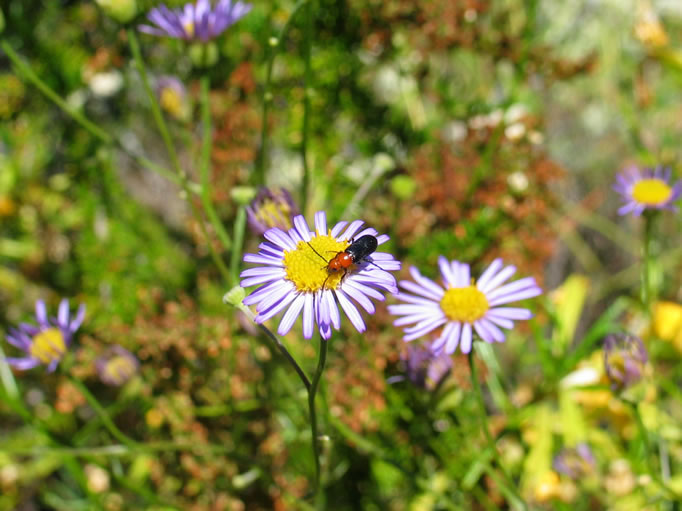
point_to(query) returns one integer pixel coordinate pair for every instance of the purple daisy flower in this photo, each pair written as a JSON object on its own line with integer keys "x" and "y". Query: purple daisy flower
{"x": 575, "y": 462}
{"x": 195, "y": 22}
{"x": 117, "y": 366}
{"x": 271, "y": 208}
{"x": 295, "y": 276}
{"x": 647, "y": 189}
{"x": 46, "y": 343}
{"x": 424, "y": 368}
{"x": 172, "y": 96}
{"x": 625, "y": 358}
{"x": 462, "y": 306}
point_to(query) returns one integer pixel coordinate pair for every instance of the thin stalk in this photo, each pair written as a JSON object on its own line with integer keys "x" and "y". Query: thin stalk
{"x": 644, "y": 434}
{"x": 313, "y": 416}
{"x": 236, "y": 255}
{"x": 205, "y": 164}
{"x": 307, "y": 88}
{"x": 283, "y": 350}
{"x": 274, "y": 43}
{"x": 102, "y": 413}
{"x": 165, "y": 135}
{"x": 259, "y": 174}
{"x": 509, "y": 484}
{"x": 646, "y": 291}
{"x": 27, "y": 72}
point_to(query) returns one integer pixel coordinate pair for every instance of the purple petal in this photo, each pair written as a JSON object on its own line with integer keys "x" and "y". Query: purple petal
{"x": 360, "y": 298}
{"x": 462, "y": 273}
{"x": 497, "y": 280}
{"x": 423, "y": 327}
{"x": 510, "y": 313}
{"x": 280, "y": 238}
{"x": 41, "y": 313}
{"x": 416, "y": 299}
{"x": 23, "y": 363}
{"x": 321, "y": 223}
{"x": 308, "y": 316}
{"x": 263, "y": 259}
{"x": 466, "y": 338}
{"x": 350, "y": 310}
{"x": 333, "y": 308}
{"x": 483, "y": 332}
{"x": 338, "y": 228}
{"x": 265, "y": 290}
{"x": 489, "y": 273}
{"x": 427, "y": 283}
{"x": 302, "y": 227}
{"x": 263, "y": 316}
{"x": 275, "y": 295}
{"x": 291, "y": 314}
{"x": 352, "y": 229}
{"x": 446, "y": 271}
{"x": 262, "y": 279}
{"x": 78, "y": 320}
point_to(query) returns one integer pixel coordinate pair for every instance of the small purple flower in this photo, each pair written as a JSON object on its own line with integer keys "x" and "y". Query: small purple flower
{"x": 424, "y": 368}
{"x": 172, "y": 96}
{"x": 117, "y": 366}
{"x": 48, "y": 342}
{"x": 271, "y": 208}
{"x": 294, "y": 276}
{"x": 624, "y": 359}
{"x": 646, "y": 189}
{"x": 195, "y": 22}
{"x": 463, "y": 306}
{"x": 575, "y": 462}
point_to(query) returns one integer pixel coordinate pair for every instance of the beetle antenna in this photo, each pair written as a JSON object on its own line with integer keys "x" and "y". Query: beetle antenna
{"x": 313, "y": 249}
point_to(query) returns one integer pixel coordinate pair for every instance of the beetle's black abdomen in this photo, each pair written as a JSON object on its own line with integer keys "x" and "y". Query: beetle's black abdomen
{"x": 362, "y": 247}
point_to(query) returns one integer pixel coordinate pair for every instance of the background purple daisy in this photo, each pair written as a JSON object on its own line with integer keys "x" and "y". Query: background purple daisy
{"x": 293, "y": 275}
{"x": 646, "y": 189}
{"x": 47, "y": 342}
{"x": 462, "y": 307}
{"x": 195, "y": 22}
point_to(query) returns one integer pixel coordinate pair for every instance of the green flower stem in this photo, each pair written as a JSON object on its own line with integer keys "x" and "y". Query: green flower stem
{"x": 273, "y": 46}
{"x": 165, "y": 135}
{"x": 644, "y": 435}
{"x": 236, "y": 255}
{"x": 205, "y": 164}
{"x": 25, "y": 70}
{"x": 283, "y": 350}
{"x": 103, "y": 415}
{"x": 307, "y": 91}
{"x": 508, "y": 484}
{"x": 647, "y": 292}
{"x": 313, "y": 416}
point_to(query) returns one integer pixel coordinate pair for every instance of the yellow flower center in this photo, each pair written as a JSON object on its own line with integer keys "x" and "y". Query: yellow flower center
{"x": 651, "y": 192}
{"x": 48, "y": 345}
{"x": 466, "y": 304}
{"x": 119, "y": 369}
{"x": 189, "y": 29}
{"x": 275, "y": 214}
{"x": 171, "y": 101}
{"x": 307, "y": 270}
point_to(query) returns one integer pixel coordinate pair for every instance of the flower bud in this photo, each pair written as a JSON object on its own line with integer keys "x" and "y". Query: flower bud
{"x": 624, "y": 359}
{"x": 120, "y": 10}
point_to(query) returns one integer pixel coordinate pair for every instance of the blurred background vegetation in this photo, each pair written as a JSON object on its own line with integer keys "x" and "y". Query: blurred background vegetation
{"x": 470, "y": 128}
